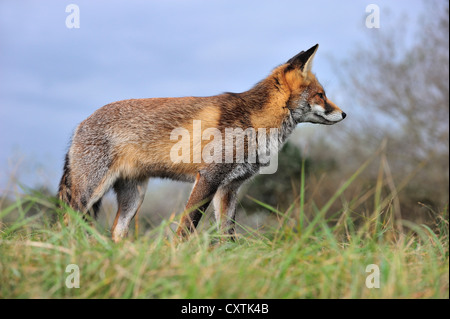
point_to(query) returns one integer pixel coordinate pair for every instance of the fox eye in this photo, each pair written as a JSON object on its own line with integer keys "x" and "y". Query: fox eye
{"x": 320, "y": 95}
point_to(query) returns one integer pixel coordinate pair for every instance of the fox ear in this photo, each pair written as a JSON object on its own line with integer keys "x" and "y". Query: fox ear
{"x": 303, "y": 60}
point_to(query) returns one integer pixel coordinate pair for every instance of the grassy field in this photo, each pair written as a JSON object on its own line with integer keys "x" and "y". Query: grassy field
{"x": 324, "y": 255}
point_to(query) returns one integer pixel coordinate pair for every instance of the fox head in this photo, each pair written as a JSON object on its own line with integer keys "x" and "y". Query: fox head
{"x": 308, "y": 101}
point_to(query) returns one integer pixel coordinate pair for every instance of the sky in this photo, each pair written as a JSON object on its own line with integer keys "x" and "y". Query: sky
{"x": 53, "y": 77}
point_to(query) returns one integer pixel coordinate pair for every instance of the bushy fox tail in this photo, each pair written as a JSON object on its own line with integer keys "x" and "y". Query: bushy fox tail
{"x": 64, "y": 192}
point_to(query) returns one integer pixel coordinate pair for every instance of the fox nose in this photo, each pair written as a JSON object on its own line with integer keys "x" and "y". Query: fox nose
{"x": 343, "y": 115}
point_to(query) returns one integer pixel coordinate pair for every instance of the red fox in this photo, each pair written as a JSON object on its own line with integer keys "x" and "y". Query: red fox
{"x": 125, "y": 143}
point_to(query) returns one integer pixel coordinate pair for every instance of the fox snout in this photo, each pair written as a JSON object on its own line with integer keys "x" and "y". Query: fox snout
{"x": 327, "y": 115}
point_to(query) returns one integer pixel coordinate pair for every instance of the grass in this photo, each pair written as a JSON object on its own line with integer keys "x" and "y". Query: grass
{"x": 319, "y": 255}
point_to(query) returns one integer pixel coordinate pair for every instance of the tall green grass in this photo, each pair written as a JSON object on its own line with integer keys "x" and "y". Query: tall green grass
{"x": 320, "y": 254}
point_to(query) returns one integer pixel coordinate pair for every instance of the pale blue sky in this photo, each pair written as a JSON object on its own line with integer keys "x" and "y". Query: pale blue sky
{"x": 52, "y": 77}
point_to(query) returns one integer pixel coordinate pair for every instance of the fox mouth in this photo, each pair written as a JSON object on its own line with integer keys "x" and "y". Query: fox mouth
{"x": 323, "y": 120}
{"x": 326, "y": 121}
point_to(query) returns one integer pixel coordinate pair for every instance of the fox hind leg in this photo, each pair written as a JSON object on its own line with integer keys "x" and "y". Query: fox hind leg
{"x": 130, "y": 195}
{"x": 84, "y": 195}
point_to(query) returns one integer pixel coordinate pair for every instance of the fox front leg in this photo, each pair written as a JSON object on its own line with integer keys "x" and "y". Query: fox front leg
{"x": 225, "y": 209}
{"x": 199, "y": 200}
